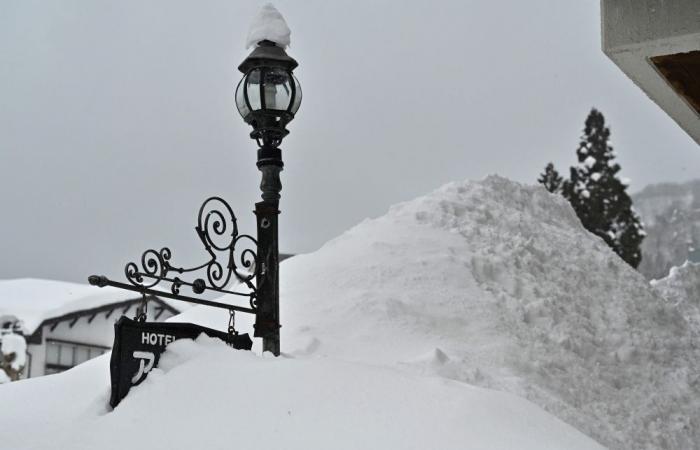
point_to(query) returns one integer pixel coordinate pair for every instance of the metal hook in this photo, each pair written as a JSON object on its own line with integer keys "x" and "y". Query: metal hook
{"x": 142, "y": 310}
{"x": 232, "y": 322}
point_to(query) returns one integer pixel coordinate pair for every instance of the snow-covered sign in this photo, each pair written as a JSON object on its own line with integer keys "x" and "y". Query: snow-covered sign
{"x": 138, "y": 346}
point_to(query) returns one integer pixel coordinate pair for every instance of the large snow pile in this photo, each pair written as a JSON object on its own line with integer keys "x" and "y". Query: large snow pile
{"x": 682, "y": 288}
{"x": 488, "y": 283}
{"x": 498, "y": 285}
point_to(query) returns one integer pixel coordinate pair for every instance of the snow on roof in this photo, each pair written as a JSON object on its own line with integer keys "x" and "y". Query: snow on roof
{"x": 268, "y": 25}
{"x": 34, "y": 300}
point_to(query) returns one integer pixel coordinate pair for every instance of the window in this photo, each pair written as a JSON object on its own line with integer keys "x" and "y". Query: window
{"x": 62, "y": 355}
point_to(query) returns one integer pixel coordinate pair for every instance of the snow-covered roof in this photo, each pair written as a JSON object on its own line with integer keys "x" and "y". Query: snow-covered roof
{"x": 268, "y": 25}
{"x": 34, "y": 300}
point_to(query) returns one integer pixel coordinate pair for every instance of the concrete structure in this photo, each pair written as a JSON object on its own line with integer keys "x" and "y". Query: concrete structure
{"x": 656, "y": 43}
{"x": 65, "y": 324}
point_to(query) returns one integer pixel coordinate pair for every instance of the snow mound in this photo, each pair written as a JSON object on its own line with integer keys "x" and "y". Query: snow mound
{"x": 504, "y": 279}
{"x": 268, "y": 25}
{"x": 205, "y": 395}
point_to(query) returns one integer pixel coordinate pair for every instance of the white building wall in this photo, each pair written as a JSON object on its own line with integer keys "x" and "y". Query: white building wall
{"x": 37, "y": 358}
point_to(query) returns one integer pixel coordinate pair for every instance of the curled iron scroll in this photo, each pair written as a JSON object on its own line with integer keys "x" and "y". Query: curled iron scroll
{"x": 231, "y": 257}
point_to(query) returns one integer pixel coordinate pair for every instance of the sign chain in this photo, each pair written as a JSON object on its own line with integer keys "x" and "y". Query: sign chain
{"x": 232, "y": 323}
{"x": 142, "y": 310}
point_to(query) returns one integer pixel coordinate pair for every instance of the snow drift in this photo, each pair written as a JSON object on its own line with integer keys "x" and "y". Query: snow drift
{"x": 489, "y": 283}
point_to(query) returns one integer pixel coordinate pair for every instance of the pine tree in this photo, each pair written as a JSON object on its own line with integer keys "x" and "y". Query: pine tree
{"x": 551, "y": 179}
{"x": 599, "y": 197}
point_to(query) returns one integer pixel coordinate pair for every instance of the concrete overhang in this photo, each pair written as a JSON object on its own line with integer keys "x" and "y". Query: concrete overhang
{"x": 656, "y": 43}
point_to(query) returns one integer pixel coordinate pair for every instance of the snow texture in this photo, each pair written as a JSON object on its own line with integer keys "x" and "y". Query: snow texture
{"x": 268, "y": 25}
{"x": 504, "y": 281}
{"x": 205, "y": 395}
{"x": 14, "y": 343}
{"x": 392, "y": 331}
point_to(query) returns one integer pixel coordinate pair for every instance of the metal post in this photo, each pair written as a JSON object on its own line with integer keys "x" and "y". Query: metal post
{"x": 267, "y": 320}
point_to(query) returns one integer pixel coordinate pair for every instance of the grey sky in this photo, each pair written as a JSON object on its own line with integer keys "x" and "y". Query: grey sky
{"x": 117, "y": 118}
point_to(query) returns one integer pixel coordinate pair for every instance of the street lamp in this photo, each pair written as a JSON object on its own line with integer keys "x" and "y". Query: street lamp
{"x": 268, "y": 96}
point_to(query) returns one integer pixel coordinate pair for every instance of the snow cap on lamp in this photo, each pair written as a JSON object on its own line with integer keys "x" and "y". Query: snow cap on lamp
{"x": 268, "y": 25}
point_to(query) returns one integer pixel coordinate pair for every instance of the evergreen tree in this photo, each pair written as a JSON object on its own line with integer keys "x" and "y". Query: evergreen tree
{"x": 599, "y": 197}
{"x": 551, "y": 179}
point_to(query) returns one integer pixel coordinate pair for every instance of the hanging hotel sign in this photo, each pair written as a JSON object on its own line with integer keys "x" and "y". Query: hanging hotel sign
{"x": 138, "y": 346}
{"x": 233, "y": 260}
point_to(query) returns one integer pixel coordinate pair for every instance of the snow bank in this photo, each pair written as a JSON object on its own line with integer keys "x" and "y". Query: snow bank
{"x": 205, "y": 395}
{"x": 268, "y": 25}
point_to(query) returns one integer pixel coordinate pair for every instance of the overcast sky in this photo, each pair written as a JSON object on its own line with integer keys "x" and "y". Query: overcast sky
{"x": 117, "y": 118}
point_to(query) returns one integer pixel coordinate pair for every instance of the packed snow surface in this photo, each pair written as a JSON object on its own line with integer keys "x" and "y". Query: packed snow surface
{"x": 268, "y": 25}
{"x": 389, "y": 329}
{"x": 206, "y": 396}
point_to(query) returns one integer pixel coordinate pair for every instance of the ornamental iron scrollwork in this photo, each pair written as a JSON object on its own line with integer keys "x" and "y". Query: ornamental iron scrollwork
{"x": 232, "y": 259}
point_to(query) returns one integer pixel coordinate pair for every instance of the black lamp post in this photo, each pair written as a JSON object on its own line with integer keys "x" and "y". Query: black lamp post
{"x": 267, "y": 97}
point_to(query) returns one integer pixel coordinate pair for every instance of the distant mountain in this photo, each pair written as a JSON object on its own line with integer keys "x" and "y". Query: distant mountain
{"x": 671, "y": 215}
